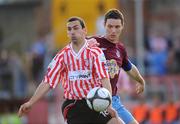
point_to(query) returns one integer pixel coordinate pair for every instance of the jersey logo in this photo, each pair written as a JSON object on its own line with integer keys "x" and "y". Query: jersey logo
{"x": 118, "y": 53}
{"x": 80, "y": 75}
{"x": 113, "y": 67}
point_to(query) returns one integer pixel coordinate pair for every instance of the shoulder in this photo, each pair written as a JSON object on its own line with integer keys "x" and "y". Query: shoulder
{"x": 98, "y": 37}
{"x": 97, "y": 53}
{"x": 95, "y": 50}
{"x": 65, "y": 49}
{"x": 121, "y": 46}
{"x": 61, "y": 52}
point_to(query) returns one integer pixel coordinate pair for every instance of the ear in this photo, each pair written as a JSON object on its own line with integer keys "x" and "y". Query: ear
{"x": 85, "y": 30}
{"x": 122, "y": 27}
{"x": 104, "y": 24}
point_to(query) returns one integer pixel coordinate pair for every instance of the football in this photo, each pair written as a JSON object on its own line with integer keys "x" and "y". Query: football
{"x": 98, "y": 99}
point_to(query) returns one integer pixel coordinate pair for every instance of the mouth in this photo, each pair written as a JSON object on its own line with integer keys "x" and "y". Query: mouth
{"x": 113, "y": 36}
{"x": 73, "y": 38}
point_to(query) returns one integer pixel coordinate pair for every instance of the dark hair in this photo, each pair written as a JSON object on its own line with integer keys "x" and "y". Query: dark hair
{"x": 114, "y": 14}
{"x": 81, "y": 21}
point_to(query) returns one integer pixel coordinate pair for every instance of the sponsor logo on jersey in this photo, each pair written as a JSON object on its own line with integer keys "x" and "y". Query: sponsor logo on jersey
{"x": 80, "y": 75}
{"x": 113, "y": 67}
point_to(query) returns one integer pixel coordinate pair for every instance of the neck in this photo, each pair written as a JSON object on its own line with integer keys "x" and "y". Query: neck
{"x": 78, "y": 45}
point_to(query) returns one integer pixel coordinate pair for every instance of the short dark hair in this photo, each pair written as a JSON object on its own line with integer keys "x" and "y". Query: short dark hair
{"x": 75, "y": 18}
{"x": 114, "y": 14}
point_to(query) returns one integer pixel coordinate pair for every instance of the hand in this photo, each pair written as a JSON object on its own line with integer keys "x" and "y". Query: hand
{"x": 112, "y": 111}
{"x": 24, "y": 109}
{"x": 92, "y": 42}
{"x": 140, "y": 88}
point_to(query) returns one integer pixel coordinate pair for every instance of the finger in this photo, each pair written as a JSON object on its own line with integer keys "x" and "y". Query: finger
{"x": 20, "y": 113}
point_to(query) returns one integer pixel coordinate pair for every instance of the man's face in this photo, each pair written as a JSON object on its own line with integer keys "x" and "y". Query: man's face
{"x": 113, "y": 29}
{"x": 75, "y": 31}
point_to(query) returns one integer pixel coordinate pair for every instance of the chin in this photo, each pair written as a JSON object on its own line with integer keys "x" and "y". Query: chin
{"x": 113, "y": 40}
{"x": 74, "y": 40}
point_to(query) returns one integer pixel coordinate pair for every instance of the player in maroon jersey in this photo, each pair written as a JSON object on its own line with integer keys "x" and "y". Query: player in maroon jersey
{"x": 117, "y": 59}
{"x": 79, "y": 69}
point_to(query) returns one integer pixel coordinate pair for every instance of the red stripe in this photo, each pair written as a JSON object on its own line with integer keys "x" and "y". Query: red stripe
{"x": 72, "y": 59}
{"x": 78, "y": 65}
{"x": 68, "y": 61}
{"x": 54, "y": 79}
{"x": 51, "y": 72}
{"x": 72, "y": 89}
{"x": 86, "y": 85}
{"x": 104, "y": 69}
{"x": 77, "y": 88}
{"x": 99, "y": 69}
{"x": 82, "y": 60}
{"x": 98, "y": 65}
{"x": 81, "y": 86}
{"x": 98, "y": 49}
{"x": 88, "y": 59}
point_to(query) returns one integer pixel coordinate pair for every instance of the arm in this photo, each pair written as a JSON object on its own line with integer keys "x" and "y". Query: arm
{"x": 134, "y": 73}
{"x": 49, "y": 81}
{"x": 42, "y": 89}
{"x": 106, "y": 84}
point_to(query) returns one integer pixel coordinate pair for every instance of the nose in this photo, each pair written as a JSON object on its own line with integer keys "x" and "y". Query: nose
{"x": 72, "y": 32}
{"x": 113, "y": 29}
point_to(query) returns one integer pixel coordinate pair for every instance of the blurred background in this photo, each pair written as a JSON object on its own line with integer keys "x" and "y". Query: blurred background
{"x": 32, "y": 32}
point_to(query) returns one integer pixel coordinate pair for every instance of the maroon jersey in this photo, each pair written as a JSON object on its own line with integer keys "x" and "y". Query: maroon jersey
{"x": 117, "y": 58}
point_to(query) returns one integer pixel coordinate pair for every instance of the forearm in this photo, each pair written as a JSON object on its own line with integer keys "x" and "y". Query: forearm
{"x": 42, "y": 89}
{"x": 135, "y": 74}
{"x": 106, "y": 84}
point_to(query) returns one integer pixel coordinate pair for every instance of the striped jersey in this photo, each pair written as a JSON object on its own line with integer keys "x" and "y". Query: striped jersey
{"x": 78, "y": 72}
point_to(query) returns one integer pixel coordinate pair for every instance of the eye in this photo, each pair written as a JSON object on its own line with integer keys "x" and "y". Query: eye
{"x": 76, "y": 28}
{"x": 118, "y": 26}
{"x": 69, "y": 29}
{"x": 110, "y": 26}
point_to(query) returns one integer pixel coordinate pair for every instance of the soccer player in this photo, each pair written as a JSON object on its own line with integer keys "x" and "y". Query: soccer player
{"x": 117, "y": 58}
{"x": 79, "y": 69}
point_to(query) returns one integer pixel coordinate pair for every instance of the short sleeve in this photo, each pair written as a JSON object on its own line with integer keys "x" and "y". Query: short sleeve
{"x": 54, "y": 70}
{"x": 100, "y": 67}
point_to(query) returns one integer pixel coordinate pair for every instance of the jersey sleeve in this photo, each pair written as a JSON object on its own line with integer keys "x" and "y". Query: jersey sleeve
{"x": 54, "y": 70}
{"x": 99, "y": 64}
{"x": 126, "y": 65}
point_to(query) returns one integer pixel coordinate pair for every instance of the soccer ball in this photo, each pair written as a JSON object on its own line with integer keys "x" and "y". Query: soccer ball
{"x": 98, "y": 99}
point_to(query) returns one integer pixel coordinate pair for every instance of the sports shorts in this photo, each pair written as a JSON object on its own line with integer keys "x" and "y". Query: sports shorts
{"x": 78, "y": 112}
{"x": 123, "y": 113}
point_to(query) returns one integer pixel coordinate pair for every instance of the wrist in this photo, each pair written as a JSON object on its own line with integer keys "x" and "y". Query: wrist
{"x": 30, "y": 102}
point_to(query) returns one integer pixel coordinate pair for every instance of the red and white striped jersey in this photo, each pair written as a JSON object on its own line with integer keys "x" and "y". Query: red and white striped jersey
{"x": 78, "y": 72}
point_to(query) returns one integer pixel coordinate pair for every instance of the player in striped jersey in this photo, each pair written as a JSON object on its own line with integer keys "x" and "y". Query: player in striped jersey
{"x": 80, "y": 69}
{"x": 117, "y": 59}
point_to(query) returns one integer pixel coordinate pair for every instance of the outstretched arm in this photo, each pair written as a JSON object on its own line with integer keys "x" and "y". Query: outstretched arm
{"x": 134, "y": 73}
{"x": 42, "y": 89}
